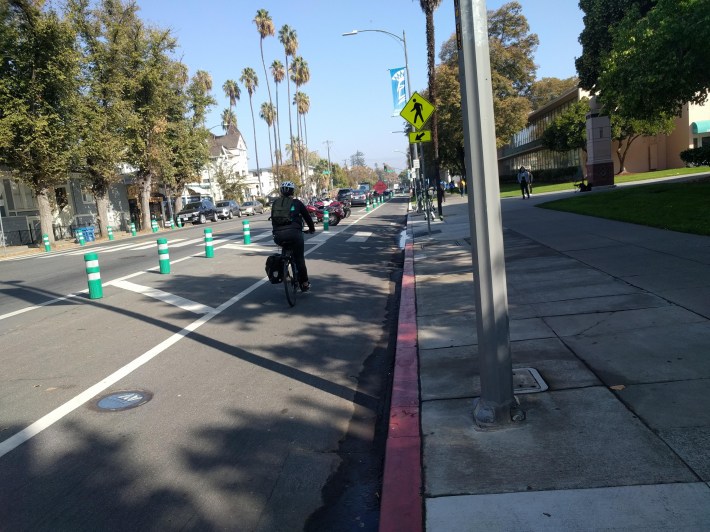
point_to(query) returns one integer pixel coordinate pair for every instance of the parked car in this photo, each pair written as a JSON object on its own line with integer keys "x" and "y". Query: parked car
{"x": 228, "y": 209}
{"x": 252, "y": 207}
{"x": 358, "y": 197}
{"x": 198, "y": 212}
{"x": 344, "y": 194}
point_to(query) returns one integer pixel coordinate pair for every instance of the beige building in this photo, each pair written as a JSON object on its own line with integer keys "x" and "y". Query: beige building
{"x": 661, "y": 152}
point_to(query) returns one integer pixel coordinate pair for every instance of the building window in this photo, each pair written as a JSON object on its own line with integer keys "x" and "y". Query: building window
{"x": 22, "y": 196}
{"x": 87, "y": 196}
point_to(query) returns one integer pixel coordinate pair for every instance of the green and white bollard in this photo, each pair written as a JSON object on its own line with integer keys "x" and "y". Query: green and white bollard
{"x": 93, "y": 275}
{"x": 163, "y": 255}
{"x": 179, "y": 223}
{"x": 367, "y": 205}
{"x": 154, "y": 225}
{"x": 109, "y": 230}
{"x": 326, "y": 219}
{"x": 45, "y": 239}
{"x": 209, "y": 248}
{"x": 247, "y": 232}
{"x": 80, "y": 237}
{"x": 171, "y": 224}
{"x": 133, "y": 229}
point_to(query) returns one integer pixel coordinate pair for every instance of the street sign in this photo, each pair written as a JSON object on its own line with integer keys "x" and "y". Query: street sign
{"x": 417, "y": 137}
{"x": 326, "y": 172}
{"x": 417, "y": 111}
{"x": 415, "y": 164}
{"x": 380, "y": 187}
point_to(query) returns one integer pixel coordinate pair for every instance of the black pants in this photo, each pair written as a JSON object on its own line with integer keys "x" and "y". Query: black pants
{"x": 524, "y": 188}
{"x": 292, "y": 237}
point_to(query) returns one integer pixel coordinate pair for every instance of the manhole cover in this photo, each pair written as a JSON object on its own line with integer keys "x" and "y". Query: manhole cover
{"x": 123, "y": 400}
{"x": 528, "y": 380}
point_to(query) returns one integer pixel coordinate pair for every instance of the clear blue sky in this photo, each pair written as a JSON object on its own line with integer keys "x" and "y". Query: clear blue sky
{"x": 349, "y": 90}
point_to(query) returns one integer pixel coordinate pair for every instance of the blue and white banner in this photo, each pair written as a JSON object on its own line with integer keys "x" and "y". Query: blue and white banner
{"x": 399, "y": 89}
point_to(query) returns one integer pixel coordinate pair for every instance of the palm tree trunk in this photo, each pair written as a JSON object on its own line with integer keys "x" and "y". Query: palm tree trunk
{"x": 290, "y": 128}
{"x": 256, "y": 151}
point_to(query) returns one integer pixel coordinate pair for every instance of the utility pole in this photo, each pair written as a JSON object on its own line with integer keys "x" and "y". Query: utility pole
{"x": 497, "y": 406}
{"x": 330, "y": 170}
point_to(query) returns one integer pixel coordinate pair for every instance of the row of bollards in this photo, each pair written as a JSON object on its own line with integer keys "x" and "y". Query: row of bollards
{"x": 93, "y": 272}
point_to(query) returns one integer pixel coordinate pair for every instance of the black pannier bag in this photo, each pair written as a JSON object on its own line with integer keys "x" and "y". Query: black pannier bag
{"x": 274, "y": 271}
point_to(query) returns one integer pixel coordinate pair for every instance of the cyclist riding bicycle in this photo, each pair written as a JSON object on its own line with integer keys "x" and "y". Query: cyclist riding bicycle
{"x": 287, "y": 217}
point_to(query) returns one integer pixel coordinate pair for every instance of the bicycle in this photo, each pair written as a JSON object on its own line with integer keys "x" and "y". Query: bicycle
{"x": 289, "y": 273}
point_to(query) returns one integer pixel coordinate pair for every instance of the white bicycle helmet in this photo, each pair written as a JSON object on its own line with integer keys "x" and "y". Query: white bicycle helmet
{"x": 287, "y": 188}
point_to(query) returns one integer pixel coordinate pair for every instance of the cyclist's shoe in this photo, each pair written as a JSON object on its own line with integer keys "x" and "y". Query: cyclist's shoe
{"x": 305, "y": 287}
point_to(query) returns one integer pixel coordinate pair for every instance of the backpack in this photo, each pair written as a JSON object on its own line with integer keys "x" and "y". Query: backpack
{"x": 274, "y": 270}
{"x": 282, "y": 211}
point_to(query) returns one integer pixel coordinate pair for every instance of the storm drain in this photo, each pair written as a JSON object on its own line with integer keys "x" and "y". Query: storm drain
{"x": 528, "y": 380}
{"x": 124, "y": 400}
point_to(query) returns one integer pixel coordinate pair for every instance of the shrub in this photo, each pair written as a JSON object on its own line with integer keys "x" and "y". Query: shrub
{"x": 696, "y": 156}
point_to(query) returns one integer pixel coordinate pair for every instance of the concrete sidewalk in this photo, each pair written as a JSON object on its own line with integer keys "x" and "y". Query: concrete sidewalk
{"x": 615, "y": 319}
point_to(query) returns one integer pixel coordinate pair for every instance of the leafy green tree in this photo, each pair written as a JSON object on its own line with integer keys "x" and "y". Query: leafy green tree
{"x": 251, "y": 82}
{"x": 289, "y": 40}
{"x": 187, "y": 135}
{"x": 229, "y": 119}
{"x": 157, "y": 80}
{"x": 105, "y": 40}
{"x": 512, "y": 71}
{"x": 568, "y": 131}
{"x": 265, "y": 27}
{"x": 600, "y": 17}
{"x": 39, "y": 97}
{"x": 232, "y": 185}
{"x": 626, "y": 130}
{"x": 656, "y": 63}
{"x": 545, "y": 90}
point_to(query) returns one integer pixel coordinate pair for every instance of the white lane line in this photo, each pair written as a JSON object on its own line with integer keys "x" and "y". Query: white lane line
{"x": 67, "y": 408}
{"x": 189, "y": 242}
{"x": 50, "y": 302}
{"x": 360, "y": 236}
{"x": 166, "y": 297}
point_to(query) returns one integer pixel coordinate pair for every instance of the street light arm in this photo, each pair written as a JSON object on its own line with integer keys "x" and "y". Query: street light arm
{"x": 355, "y": 32}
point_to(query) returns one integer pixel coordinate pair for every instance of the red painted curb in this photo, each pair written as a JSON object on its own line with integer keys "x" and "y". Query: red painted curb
{"x": 401, "y": 508}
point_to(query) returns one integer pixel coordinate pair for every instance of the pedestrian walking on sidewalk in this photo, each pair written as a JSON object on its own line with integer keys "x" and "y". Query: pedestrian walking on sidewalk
{"x": 440, "y": 191}
{"x": 524, "y": 179}
{"x": 462, "y": 184}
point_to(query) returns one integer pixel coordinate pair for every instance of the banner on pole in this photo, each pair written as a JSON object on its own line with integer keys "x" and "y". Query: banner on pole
{"x": 399, "y": 89}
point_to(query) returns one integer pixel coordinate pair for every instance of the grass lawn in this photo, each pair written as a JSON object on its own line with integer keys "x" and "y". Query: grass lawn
{"x": 509, "y": 190}
{"x": 683, "y": 207}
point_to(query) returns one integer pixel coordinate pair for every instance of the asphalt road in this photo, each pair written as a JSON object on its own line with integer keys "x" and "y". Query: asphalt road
{"x": 244, "y": 414}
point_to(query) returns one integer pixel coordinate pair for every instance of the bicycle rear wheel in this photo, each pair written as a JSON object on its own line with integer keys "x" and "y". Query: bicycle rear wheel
{"x": 290, "y": 281}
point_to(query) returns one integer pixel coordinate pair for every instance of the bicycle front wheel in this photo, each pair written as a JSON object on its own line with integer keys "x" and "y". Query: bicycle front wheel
{"x": 290, "y": 281}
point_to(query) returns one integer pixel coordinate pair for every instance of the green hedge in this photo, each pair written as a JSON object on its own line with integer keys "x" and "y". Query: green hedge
{"x": 696, "y": 156}
{"x": 556, "y": 175}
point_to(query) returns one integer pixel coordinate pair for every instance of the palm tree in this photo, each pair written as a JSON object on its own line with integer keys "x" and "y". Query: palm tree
{"x": 428, "y": 7}
{"x": 279, "y": 73}
{"x": 229, "y": 120}
{"x": 251, "y": 82}
{"x": 268, "y": 114}
{"x": 233, "y": 92}
{"x": 303, "y": 105}
{"x": 289, "y": 40}
{"x": 265, "y": 27}
{"x": 300, "y": 74}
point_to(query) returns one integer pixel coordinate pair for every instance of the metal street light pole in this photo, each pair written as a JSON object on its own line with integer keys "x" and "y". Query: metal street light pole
{"x": 330, "y": 170}
{"x": 418, "y": 156}
{"x": 497, "y": 406}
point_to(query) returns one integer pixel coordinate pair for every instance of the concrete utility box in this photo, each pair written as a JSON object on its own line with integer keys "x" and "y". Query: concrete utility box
{"x": 600, "y": 167}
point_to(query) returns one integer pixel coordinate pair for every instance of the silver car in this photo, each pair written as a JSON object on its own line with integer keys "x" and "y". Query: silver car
{"x": 228, "y": 209}
{"x": 252, "y": 207}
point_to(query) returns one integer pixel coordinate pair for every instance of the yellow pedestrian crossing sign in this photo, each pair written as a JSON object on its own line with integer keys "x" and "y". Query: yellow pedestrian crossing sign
{"x": 417, "y": 111}
{"x": 415, "y": 137}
